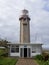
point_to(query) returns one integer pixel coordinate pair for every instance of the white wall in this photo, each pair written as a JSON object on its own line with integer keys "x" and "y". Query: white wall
{"x": 15, "y": 54}
{"x": 37, "y": 49}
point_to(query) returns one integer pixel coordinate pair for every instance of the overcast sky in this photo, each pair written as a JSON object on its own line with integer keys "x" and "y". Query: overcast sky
{"x": 10, "y": 11}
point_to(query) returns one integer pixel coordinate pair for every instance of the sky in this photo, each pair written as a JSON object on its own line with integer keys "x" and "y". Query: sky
{"x": 10, "y": 10}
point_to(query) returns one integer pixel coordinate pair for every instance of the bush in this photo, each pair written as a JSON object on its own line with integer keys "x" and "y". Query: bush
{"x": 46, "y": 63}
{"x": 46, "y": 57}
{"x": 42, "y": 59}
{"x": 3, "y": 52}
{"x": 5, "y": 55}
{"x": 39, "y": 57}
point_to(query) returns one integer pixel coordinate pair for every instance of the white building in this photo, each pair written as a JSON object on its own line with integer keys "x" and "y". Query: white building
{"x": 25, "y": 48}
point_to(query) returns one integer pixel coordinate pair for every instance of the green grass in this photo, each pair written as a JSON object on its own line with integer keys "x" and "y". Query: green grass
{"x": 2, "y": 51}
{"x": 42, "y": 59}
{"x": 43, "y": 62}
{"x": 6, "y": 60}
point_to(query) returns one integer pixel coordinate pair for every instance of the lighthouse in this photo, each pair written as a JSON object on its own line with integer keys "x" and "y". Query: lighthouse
{"x": 24, "y": 27}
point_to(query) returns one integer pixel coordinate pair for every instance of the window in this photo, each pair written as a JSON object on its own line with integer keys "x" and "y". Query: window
{"x": 17, "y": 46}
{"x": 33, "y": 51}
{"x": 15, "y": 49}
{"x": 12, "y": 49}
{"x": 13, "y": 46}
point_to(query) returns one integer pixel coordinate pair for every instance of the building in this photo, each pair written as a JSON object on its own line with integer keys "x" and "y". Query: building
{"x": 24, "y": 48}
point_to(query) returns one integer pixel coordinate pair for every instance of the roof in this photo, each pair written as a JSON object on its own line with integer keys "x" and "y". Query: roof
{"x": 24, "y": 43}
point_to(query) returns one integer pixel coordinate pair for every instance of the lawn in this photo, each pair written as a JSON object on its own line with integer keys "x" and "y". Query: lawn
{"x": 6, "y": 60}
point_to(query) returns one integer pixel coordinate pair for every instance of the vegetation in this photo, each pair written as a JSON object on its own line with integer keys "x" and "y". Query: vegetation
{"x": 3, "y": 43}
{"x": 42, "y": 59}
{"x": 7, "y": 61}
{"x": 3, "y": 53}
{"x": 4, "y": 59}
{"x": 43, "y": 62}
{"x": 39, "y": 57}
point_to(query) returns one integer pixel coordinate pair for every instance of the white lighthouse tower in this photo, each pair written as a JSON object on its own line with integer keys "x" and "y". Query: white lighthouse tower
{"x": 24, "y": 27}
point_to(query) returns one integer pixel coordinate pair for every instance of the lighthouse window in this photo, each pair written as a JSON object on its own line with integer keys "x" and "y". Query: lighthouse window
{"x": 15, "y": 49}
{"x": 33, "y": 51}
{"x": 25, "y": 24}
{"x": 25, "y": 28}
{"x": 24, "y": 19}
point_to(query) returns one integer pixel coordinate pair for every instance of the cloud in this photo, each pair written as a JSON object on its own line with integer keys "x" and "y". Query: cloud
{"x": 46, "y": 5}
{"x": 10, "y": 11}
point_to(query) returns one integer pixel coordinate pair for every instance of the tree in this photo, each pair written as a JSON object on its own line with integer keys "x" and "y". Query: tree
{"x": 3, "y": 43}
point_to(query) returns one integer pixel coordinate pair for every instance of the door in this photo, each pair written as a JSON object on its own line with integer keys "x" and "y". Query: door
{"x": 25, "y": 52}
{"x": 29, "y": 52}
{"x": 21, "y": 50}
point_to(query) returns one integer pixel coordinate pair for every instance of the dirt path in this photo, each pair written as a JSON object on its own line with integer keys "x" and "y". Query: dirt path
{"x": 26, "y": 62}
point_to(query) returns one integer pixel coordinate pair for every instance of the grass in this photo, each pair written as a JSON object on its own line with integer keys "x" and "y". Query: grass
{"x": 2, "y": 51}
{"x": 42, "y": 60}
{"x": 6, "y": 60}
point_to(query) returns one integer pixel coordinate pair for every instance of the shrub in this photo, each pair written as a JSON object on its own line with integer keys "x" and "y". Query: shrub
{"x": 46, "y": 63}
{"x": 3, "y": 52}
{"x": 39, "y": 57}
{"x": 5, "y": 55}
{"x": 46, "y": 57}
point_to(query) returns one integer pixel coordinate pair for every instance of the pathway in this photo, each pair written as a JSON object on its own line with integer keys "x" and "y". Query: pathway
{"x": 26, "y": 62}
